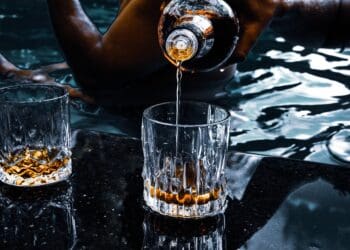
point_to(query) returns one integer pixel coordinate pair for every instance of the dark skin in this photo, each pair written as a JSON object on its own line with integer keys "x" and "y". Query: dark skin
{"x": 89, "y": 55}
{"x": 127, "y": 57}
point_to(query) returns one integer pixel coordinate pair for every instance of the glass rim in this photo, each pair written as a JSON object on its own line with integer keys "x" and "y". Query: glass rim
{"x": 147, "y": 116}
{"x": 25, "y": 85}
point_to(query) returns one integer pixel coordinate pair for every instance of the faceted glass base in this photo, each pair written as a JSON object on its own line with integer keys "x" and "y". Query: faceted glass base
{"x": 211, "y": 208}
{"x": 35, "y": 166}
{"x": 339, "y": 145}
{"x": 60, "y": 175}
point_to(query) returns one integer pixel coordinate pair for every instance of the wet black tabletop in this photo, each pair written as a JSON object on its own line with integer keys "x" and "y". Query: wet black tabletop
{"x": 274, "y": 203}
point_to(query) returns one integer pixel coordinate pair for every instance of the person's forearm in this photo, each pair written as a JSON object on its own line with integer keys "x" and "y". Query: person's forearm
{"x": 317, "y": 23}
{"x": 78, "y": 37}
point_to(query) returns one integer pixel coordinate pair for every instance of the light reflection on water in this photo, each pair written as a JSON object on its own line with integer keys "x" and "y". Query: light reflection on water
{"x": 294, "y": 97}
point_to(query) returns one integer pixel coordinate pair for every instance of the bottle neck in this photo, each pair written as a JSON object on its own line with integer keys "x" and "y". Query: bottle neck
{"x": 181, "y": 45}
{"x": 191, "y": 38}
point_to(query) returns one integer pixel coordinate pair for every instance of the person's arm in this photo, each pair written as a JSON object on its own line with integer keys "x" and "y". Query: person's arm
{"x": 127, "y": 51}
{"x": 133, "y": 38}
{"x": 5, "y": 66}
{"x": 78, "y": 37}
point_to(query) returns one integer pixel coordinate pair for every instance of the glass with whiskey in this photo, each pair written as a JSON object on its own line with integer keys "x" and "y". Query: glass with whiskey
{"x": 184, "y": 159}
{"x": 34, "y": 134}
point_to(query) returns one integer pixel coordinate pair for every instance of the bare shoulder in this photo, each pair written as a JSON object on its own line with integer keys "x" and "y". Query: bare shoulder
{"x": 141, "y": 7}
{"x": 123, "y": 4}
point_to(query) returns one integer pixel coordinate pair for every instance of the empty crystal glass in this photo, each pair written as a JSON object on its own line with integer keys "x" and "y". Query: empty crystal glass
{"x": 184, "y": 163}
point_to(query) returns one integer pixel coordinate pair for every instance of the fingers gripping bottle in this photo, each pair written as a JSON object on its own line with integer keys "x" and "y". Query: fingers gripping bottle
{"x": 201, "y": 34}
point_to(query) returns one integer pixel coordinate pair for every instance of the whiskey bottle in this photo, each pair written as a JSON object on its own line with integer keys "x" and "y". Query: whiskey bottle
{"x": 199, "y": 34}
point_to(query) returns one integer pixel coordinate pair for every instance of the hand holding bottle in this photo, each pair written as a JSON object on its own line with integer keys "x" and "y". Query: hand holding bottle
{"x": 246, "y": 19}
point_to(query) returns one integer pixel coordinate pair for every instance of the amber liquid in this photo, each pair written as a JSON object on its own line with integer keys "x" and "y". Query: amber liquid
{"x": 178, "y": 103}
{"x": 33, "y": 164}
{"x": 191, "y": 189}
{"x": 181, "y": 54}
{"x": 184, "y": 198}
{"x": 225, "y": 38}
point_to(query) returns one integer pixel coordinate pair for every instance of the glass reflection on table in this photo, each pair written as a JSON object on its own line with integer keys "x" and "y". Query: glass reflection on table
{"x": 36, "y": 218}
{"x": 162, "y": 232}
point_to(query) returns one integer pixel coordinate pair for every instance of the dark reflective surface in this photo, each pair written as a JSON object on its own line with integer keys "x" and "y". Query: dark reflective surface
{"x": 37, "y": 218}
{"x": 275, "y": 204}
{"x": 169, "y": 233}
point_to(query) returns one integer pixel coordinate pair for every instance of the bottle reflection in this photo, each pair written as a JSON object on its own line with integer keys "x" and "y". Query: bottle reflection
{"x": 162, "y": 232}
{"x": 36, "y": 218}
